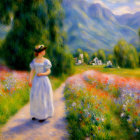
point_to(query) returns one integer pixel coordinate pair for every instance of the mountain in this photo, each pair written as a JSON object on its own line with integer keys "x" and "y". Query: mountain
{"x": 91, "y": 26}
{"x": 131, "y": 20}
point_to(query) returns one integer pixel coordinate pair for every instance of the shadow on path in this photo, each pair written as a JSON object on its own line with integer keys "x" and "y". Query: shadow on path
{"x": 26, "y": 126}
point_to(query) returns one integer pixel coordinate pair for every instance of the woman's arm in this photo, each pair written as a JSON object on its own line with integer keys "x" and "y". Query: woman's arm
{"x": 30, "y": 77}
{"x": 45, "y": 73}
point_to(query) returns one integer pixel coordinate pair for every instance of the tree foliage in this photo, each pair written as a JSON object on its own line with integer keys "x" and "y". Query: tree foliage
{"x": 126, "y": 54}
{"x": 101, "y": 55}
{"x": 29, "y": 21}
{"x": 35, "y": 22}
{"x": 77, "y": 53}
{"x": 112, "y": 58}
{"x": 86, "y": 57}
{"x": 93, "y": 55}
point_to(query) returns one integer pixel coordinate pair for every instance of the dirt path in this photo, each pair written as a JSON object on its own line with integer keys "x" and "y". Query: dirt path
{"x": 21, "y": 127}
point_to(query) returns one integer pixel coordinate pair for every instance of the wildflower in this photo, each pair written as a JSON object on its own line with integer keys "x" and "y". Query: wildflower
{"x": 137, "y": 130}
{"x": 129, "y": 120}
{"x": 96, "y": 107}
{"x": 85, "y": 110}
{"x": 81, "y": 112}
{"x": 97, "y": 119}
{"x": 102, "y": 119}
{"x": 122, "y": 114}
{"x": 136, "y": 113}
{"x": 73, "y": 104}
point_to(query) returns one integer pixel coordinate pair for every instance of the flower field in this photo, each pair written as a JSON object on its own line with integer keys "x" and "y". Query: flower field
{"x": 14, "y": 92}
{"x": 102, "y": 106}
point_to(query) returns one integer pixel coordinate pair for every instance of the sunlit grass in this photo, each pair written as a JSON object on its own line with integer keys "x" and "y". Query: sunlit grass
{"x": 133, "y": 73}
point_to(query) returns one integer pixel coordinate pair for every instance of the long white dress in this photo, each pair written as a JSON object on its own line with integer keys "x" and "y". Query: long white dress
{"x": 41, "y": 93}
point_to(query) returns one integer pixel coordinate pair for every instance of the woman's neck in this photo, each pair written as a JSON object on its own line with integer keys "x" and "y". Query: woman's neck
{"x": 39, "y": 57}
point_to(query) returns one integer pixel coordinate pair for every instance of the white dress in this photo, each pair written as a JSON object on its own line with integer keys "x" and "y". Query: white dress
{"x": 41, "y": 94}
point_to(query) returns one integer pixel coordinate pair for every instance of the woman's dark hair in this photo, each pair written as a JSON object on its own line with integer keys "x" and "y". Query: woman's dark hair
{"x": 36, "y": 54}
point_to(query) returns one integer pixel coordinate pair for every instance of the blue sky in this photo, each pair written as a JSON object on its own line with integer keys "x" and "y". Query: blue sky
{"x": 119, "y": 7}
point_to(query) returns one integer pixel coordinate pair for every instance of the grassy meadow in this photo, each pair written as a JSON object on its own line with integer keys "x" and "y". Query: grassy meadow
{"x": 131, "y": 73}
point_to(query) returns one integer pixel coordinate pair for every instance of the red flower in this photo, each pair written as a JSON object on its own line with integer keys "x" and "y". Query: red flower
{"x": 136, "y": 113}
{"x": 97, "y": 119}
{"x": 81, "y": 112}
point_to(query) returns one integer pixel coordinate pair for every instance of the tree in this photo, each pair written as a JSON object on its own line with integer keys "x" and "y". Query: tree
{"x": 139, "y": 58}
{"x": 34, "y": 22}
{"x": 126, "y": 54}
{"x": 101, "y": 55}
{"x": 93, "y": 55}
{"x": 58, "y": 52}
{"x": 28, "y": 24}
{"x": 86, "y": 57}
{"x": 77, "y": 53}
{"x": 111, "y": 57}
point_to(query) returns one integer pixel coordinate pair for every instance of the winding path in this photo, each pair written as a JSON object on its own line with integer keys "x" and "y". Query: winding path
{"x": 21, "y": 127}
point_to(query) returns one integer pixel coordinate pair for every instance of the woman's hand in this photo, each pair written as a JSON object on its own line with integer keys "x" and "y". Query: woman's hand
{"x": 30, "y": 77}
{"x": 39, "y": 74}
{"x": 45, "y": 73}
{"x": 30, "y": 84}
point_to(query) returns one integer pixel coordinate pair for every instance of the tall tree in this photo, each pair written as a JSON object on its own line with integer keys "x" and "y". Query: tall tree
{"x": 29, "y": 19}
{"x": 35, "y": 22}
{"x": 58, "y": 52}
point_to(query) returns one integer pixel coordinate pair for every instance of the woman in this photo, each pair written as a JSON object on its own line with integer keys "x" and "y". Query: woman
{"x": 41, "y": 94}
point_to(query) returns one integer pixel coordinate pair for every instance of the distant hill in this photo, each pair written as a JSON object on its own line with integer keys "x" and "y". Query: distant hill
{"x": 131, "y": 20}
{"x": 91, "y": 26}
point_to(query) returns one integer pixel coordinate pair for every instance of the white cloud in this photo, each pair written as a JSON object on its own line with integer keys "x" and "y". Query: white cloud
{"x": 98, "y": 1}
{"x": 122, "y": 10}
{"x": 119, "y": 6}
{"x": 117, "y": 1}
{"x": 137, "y": 3}
{"x": 125, "y": 9}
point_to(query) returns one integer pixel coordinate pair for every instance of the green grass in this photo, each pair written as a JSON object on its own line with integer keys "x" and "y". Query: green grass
{"x": 11, "y": 103}
{"x": 132, "y": 73}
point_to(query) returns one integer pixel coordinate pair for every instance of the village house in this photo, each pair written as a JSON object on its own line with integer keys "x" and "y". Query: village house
{"x": 79, "y": 61}
{"x": 97, "y": 61}
{"x": 109, "y": 63}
